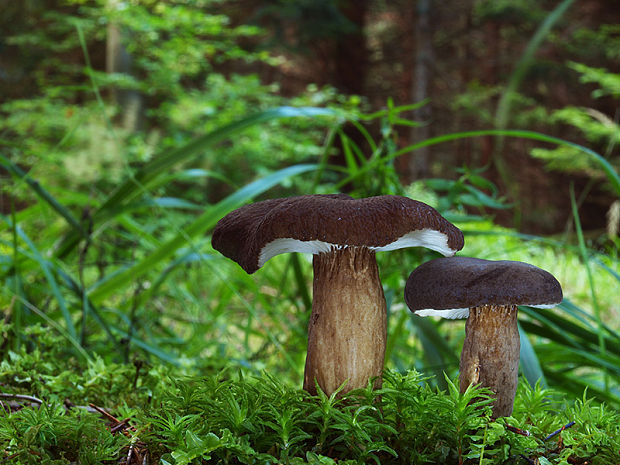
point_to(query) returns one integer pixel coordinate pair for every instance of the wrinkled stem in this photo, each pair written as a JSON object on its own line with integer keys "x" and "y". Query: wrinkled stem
{"x": 347, "y": 328}
{"x": 490, "y": 354}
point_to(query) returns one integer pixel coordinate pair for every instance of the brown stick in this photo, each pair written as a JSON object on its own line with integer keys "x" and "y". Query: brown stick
{"x": 105, "y": 414}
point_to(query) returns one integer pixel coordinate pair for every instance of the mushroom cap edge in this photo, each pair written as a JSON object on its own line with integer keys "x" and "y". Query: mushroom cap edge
{"x": 254, "y": 233}
{"x": 449, "y": 287}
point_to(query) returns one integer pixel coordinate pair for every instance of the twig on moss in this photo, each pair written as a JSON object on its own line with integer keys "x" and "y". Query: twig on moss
{"x": 558, "y": 431}
{"x": 21, "y": 397}
{"x": 516, "y": 430}
{"x": 10, "y": 457}
{"x": 105, "y": 413}
{"x": 120, "y": 426}
{"x": 137, "y": 452}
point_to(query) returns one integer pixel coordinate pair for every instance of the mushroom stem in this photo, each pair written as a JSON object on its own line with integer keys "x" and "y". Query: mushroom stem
{"x": 347, "y": 329}
{"x": 490, "y": 354}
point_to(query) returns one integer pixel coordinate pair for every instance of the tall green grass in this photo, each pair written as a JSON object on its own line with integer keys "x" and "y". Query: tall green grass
{"x": 135, "y": 276}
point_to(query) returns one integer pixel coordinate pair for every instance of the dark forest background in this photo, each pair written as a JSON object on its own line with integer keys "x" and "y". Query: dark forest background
{"x": 469, "y": 60}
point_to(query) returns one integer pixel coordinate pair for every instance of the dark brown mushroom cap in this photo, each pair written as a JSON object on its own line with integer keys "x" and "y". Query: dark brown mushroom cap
{"x": 464, "y": 282}
{"x": 317, "y": 223}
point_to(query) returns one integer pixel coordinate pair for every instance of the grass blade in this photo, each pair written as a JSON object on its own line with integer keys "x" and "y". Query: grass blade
{"x": 55, "y": 325}
{"x": 150, "y": 348}
{"x": 610, "y": 171}
{"x": 567, "y": 333}
{"x": 586, "y": 260}
{"x": 199, "y": 226}
{"x": 438, "y": 354}
{"x": 44, "y": 195}
{"x": 49, "y": 276}
{"x": 529, "y": 363}
{"x": 300, "y": 281}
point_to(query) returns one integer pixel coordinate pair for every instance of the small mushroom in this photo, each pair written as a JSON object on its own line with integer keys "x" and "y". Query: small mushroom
{"x": 347, "y": 327}
{"x": 487, "y": 294}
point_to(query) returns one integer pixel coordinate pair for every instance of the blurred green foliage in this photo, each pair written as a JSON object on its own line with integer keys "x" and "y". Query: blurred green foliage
{"x": 596, "y": 127}
{"x": 184, "y": 58}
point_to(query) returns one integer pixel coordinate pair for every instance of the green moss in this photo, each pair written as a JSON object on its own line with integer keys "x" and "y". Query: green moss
{"x": 233, "y": 417}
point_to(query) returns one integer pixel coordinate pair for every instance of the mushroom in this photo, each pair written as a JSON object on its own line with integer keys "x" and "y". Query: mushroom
{"x": 487, "y": 294}
{"x": 347, "y": 326}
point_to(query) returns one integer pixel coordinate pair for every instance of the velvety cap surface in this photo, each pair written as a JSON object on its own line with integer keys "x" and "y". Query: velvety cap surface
{"x": 463, "y": 282}
{"x": 318, "y": 223}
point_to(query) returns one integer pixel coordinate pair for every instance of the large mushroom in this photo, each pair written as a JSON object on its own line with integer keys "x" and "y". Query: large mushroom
{"x": 347, "y": 327}
{"x": 487, "y": 294}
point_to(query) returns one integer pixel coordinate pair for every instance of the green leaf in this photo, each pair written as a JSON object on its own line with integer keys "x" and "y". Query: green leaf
{"x": 529, "y": 363}
{"x": 483, "y": 199}
{"x": 438, "y": 354}
{"x": 482, "y": 183}
{"x": 196, "y": 447}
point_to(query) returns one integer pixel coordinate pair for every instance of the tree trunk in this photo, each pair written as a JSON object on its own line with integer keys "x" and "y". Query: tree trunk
{"x": 351, "y": 57}
{"x": 350, "y": 64}
{"x": 419, "y": 160}
{"x": 118, "y": 60}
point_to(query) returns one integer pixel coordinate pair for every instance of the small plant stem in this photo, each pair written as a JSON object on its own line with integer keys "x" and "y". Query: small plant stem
{"x": 132, "y": 321}
{"x": 120, "y": 426}
{"x": 484, "y": 442}
{"x": 516, "y": 430}
{"x": 104, "y": 413}
{"x": 527, "y": 459}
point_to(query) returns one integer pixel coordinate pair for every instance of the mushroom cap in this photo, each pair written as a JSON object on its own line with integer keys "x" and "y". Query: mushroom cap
{"x": 448, "y": 287}
{"x": 254, "y": 233}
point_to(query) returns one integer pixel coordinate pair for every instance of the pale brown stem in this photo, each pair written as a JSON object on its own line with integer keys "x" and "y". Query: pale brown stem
{"x": 347, "y": 329}
{"x": 490, "y": 354}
